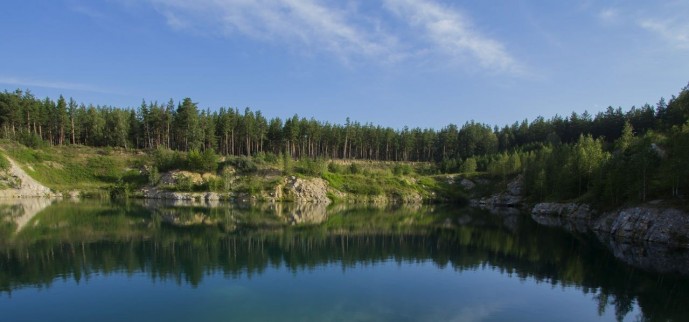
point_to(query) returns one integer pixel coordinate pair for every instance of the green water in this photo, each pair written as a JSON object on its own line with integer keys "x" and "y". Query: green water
{"x": 98, "y": 261}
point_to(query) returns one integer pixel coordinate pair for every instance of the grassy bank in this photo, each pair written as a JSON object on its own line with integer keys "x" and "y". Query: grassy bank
{"x": 103, "y": 170}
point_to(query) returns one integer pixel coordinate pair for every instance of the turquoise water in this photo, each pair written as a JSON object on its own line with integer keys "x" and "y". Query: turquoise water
{"x": 140, "y": 262}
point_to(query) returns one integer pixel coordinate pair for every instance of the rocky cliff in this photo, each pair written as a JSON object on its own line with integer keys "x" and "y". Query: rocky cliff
{"x": 638, "y": 224}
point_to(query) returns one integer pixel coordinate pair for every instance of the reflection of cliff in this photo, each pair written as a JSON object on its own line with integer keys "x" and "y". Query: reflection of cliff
{"x": 21, "y": 211}
{"x": 652, "y": 257}
{"x": 302, "y": 213}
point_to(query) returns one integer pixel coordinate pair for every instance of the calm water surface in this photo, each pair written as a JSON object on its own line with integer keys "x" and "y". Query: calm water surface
{"x": 66, "y": 261}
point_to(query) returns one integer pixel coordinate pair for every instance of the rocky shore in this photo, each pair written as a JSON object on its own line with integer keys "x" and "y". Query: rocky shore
{"x": 636, "y": 224}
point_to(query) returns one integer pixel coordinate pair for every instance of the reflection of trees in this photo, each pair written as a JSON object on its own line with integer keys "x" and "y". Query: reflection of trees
{"x": 88, "y": 239}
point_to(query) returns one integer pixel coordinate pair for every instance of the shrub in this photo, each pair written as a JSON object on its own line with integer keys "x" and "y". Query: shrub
{"x": 286, "y": 163}
{"x": 313, "y": 167}
{"x": 206, "y": 161}
{"x": 153, "y": 176}
{"x": 243, "y": 164}
{"x": 31, "y": 140}
{"x": 4, "y": 163}
{"x": 121, "y": 190}
{"x": 401, "y": 169}
{"x": 184, "y": 183}
{"x": 335, "y": 168}
{"x": 166, "y": 159}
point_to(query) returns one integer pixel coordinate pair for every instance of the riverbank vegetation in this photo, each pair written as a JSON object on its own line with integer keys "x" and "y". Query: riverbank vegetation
{"x": 612, "y": 157}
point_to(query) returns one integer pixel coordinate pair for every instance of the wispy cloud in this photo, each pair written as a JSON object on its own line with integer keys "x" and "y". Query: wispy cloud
{"x": 453, "y": 32}
{"x": 609, "y": 15}
{"x": 673, "y": 31}
{"x": 53, "y": 84}
{"x": 305, "y": 24}
{"x": 666, "y": 20}
{"x": 342, "y": 29}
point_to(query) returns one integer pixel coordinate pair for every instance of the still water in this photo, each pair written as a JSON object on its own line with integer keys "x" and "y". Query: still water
{"x": 142, "y": 261}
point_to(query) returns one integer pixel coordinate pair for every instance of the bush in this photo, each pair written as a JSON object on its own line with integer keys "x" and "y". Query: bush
{"x": 286, "y": 164}
{"x": 121, "y": 190}
{"x": 4, "y": 163}
{"x": 468, "y": 166}
{"x": 166, "y": 159}
{"x": 335, "y": 168}
{"x": 354, "y": 168}
{"x": 401, "y": 169}
{"x": 153, "y": 176}
{"x": 242, "y": 163}
{"x": 313, "y": 167}
{"x": 31, "y": 140}
{"x": 184, "y": 183}
{"x": 269, "y": 158}
{"x": 206, "y": 161}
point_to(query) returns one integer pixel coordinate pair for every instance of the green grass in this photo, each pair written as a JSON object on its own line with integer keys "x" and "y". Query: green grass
{"x": 89, "y": 169}
{"x": 75, "y": 167}
{"x": 4, "y": 163}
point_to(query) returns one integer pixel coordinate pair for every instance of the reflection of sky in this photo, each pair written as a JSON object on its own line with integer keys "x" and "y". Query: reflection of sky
{"x": 387, "y": 291}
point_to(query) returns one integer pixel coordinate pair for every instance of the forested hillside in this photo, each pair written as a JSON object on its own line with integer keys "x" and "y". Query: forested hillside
{"x": 611, "y": 157}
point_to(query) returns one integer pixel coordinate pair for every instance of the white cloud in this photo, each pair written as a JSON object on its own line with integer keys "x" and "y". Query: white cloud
{"x": 453, "y": 32}
{"x": 305, "y": 24}
{"x": 52, "y": 84}
{"x": 342, "y": 29}
{"x": 672, "y": 31}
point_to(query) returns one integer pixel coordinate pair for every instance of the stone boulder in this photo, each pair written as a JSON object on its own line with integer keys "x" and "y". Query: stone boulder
{"x": 313, "y": 190}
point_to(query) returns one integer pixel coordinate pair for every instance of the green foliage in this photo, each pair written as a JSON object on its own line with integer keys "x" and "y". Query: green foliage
{"x": 121, "y": 190}
{"x": 184, "y": 183}
{"x": 312, "y": 167}
{"x": 242, "y": 164}
{"x": 267, "y": 157}
{"x": 286, "y": 164}
{"x": 401, "y": 169}
{"x": 31, "y": 140}
{"x": 153, "y": 176}
{"x": 354, "y": 168}
{"x": 335, "y": 168}
{"x": 468, "y": 166}
{"x": 206, "y": 161}
{"x": 104, "y": 168}
{"x": 4, "y": 163}
{"x": 167, "y": 160}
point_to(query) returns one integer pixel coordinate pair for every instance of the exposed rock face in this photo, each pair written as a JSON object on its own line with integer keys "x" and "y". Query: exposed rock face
{"x": 313, "y": 190}
{"x": 639, "y": 224}
{"x": 467, "y": 184}
{"x": 668, "y": 226}
{"x": 511, "y": 197}
{"x": 23, "y": 185}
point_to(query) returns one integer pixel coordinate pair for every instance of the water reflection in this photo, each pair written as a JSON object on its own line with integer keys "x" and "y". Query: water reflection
{"x": 16, "y": 213}
{"x": 189, "y": 242}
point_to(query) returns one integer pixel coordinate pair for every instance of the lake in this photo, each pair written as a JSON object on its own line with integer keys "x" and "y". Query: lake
{"x": 148, "y": 260}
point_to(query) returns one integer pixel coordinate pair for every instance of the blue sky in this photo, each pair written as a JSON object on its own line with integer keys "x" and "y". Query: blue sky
{"x": 422, "y": 63}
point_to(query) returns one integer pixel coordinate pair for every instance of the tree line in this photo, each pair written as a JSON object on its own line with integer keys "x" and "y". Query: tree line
{"x": 183, "y": 126}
